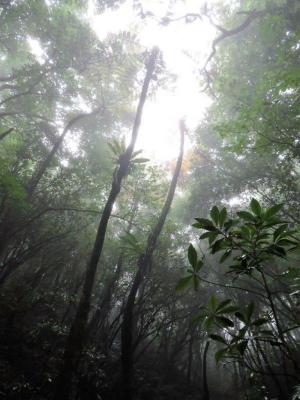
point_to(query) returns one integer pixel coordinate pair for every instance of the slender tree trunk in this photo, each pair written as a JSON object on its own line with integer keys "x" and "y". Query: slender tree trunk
{"x": 10, "y": 220}
{"x": 98, "y": 321}
{"x": 270, "y": 369}
{"x": 75, "y": 340}
{"x": 48, "y": 160}
{"x": 144, "y": 263}
{"x": 205, "y": 393}
{"x": 190, "y": 359}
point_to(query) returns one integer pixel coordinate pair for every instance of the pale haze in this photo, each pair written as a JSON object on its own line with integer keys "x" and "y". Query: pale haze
{"x": 185, "y": 48}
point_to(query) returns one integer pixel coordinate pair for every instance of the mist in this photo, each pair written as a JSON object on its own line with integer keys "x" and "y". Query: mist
{"x": 149, "y": 200}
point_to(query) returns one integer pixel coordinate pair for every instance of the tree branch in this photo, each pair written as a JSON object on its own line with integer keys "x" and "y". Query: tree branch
{"x": 225, "y": 33}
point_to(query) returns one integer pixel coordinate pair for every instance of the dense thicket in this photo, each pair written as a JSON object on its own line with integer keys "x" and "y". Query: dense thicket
{"x": 101, "y": 294}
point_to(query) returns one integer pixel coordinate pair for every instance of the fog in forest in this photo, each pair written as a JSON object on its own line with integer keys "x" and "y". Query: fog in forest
{"x": 149, "y": 199}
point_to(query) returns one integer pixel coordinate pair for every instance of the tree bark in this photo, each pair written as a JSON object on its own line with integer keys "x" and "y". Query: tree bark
{"x": 190, "y": 359}
{"x": 98, "y": 320}
{"x": 204, "y": 373}
{"x": 10, "y": 222}
{"x": 143, "y": 266}
{"x": 65, "y": 382}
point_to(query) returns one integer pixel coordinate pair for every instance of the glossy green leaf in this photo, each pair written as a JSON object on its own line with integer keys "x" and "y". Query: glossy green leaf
{"x": 212, "y": 303}
{"x": 279, "y": 231}
{"x": 214, "y": 213}
{"x": 204, "y": 223}
{"x": 222, "y": 216}
{"x": 223, "y": 304}
{"x": 217, "y": 246}
{"x": 246, "y": 216}
{"x": 270, "y": 212}
{"x": 255, "y": 207}
{"x": 192, "y": 256}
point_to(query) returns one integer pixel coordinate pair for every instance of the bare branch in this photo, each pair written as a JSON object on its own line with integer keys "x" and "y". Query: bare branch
{"x": 225, "y": 33}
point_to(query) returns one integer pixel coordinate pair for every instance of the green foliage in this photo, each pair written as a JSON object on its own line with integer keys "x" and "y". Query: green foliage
{"x": 253, "y": 238}
{"x": 245, "y": 268}
{"x": 251, "y": 241}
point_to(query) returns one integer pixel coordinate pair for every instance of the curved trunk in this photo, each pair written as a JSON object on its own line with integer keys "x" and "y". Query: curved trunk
{"x": 74, "y": 345}
{"x": 9, "y": 224}
{"x": 45, "y": 164}
{"x": 144, "y": 263}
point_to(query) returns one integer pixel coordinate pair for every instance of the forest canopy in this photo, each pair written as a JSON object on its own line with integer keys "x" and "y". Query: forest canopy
{"x": 149, "y": 199}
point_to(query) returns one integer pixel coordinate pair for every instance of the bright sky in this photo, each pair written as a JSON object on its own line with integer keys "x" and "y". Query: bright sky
{"x": 159, "y": 137}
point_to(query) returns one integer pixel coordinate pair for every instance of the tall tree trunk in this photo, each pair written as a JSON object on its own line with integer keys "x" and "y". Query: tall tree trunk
{"x": 143, "y": 265}
{"x": 45, "y": 164}
{"x": 204, "y": 373}
{"x": 74, "y": 345}
{"x": 190, "y": 358}
{"x": 11, "y": 219}
{"x": 99, "y": 320}
{"x": 270, "y": 369}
